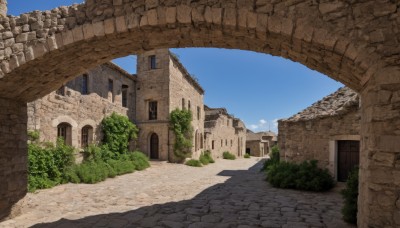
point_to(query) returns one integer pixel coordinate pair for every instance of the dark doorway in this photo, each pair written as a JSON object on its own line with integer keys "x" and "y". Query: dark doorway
{"x": 154, "y": 146}
{"x": 248, "y": 151}
{"x": 348, "y": 158}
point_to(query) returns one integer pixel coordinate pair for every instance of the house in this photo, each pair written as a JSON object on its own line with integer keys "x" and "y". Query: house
{"x": 259, "y": 144}
{"x": 327, "y": 131}
{"x": 223, "y": 132}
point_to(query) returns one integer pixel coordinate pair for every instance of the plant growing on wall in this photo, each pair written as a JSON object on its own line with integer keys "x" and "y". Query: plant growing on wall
{"x": 118, "y": 131}
{"x": 350, "y": 195}
{"x": 181, "y": 124}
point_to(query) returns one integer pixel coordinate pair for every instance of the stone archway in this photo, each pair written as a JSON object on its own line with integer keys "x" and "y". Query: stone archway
{"x": 355, "y": 43}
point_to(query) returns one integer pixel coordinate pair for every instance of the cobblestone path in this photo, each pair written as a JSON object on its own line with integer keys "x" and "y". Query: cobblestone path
{"x": 224, "y": 194}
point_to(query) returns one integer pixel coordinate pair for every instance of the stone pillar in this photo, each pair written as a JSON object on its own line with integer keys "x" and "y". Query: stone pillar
{"x": 13, "y": 155}
{"x": 3, "y": 8}
{"x": 379, "y": 199}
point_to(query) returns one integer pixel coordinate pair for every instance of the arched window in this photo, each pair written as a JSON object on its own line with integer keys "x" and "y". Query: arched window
{"x": 201, "y": 141}
{"x": 86, "y": 136}
{"x": 64, "y": 131}
{"x": 183, "y": 103}
{"x": 196, "y": 139}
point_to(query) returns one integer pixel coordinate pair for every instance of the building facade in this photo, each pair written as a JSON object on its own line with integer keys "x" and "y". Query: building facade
{"x": 328, "y": 131}
{"x": 259, "y": 144}
{"x": 75, "y": 111}
{"x": 223, "y": 132}
{"x": 163, "y": 86}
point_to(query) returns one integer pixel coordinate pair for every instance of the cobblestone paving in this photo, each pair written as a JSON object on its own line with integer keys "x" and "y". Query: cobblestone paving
{"x": 224, "y": 194}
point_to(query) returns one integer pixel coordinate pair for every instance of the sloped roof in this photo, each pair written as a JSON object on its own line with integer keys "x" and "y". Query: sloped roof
{"x": 251, "y": 136}
{"x": 339, "y": 103}
{"x": 120, "y": 69}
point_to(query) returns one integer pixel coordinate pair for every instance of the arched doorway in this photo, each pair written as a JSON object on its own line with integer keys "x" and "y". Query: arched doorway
{"x": 154, "y": 146}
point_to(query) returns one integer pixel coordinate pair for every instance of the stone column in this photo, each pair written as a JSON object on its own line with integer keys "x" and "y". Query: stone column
{"x": 3, "y": 8}
{"x": 379, "y": 199}
{"x": 13, "y": 155}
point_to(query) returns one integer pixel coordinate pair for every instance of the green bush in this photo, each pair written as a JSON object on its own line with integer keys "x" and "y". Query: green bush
{"x": 203, "y": 159}
{"x": 246, "y": 155}
{"x": 194, "y": 163}
{"x": 228, "y": 155}
{"x": 140, "y": 160}
{"x": 93, "y": 172}
{"x": 305, "y": 176}
{"x": 274, "y": 158}
{"x": 118, "y": 131}
{"x": 181, "y": 124}
{"x": 208, "y": 156}
{"x": 47, "y": 164}
{"x": 122, "y": 166}
{"x": 350, "y": 195}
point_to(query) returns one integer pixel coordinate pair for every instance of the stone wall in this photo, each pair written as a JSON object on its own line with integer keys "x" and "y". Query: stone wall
{"x": 79, "y": 110}
{"x": 167, "y": 84}
{"x": 224, "y": 132}
{"x": 13, "y": 156}
{"x": 257, "y": 148}
{"x": 309, "y": 134}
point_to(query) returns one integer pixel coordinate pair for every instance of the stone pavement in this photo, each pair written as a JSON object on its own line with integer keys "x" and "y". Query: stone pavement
{"x": 224, "y": 194}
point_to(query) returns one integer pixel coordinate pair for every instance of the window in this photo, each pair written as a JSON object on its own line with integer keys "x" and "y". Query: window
{"x": 201, "y": 141}
{"x": 226, "y": 142}
{"x": 125, "y": 96}
{"x": 189, "y": 106}
{"x": 212, "y": 144}
{"x": 85, "y": 81}
{"x": 231, "y": 142}
{"x": 153, "y": 110}
{"x": 64, "y": 132}
{"x": 152, "y": 61}
{"x": 86, "y": 136}
{"x": 61, "y": 91}
{"x": 111, "y": 89}
{"x": 227, "y": 122}
{"x": 222, "y": 142}
{"x": 183, "y": 103}
{"x": 198, "y": 112}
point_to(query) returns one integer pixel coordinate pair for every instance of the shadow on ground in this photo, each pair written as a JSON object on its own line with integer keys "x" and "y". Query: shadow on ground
{"x": 244, "y": 200}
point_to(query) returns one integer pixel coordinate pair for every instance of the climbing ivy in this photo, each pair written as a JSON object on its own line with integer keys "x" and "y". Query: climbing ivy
{"x": 118, "y": 131}
{"x": 181, "y": 124}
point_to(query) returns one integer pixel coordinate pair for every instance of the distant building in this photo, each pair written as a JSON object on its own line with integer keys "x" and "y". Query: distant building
{"x": 223, "y": 132}
{"x": 328, "y": 131}
{"x": 259, "y": 144}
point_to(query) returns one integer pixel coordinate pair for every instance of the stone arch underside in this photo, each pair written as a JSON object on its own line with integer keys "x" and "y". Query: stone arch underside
{"x": 66, "y": 41}
{"x": 354, "y": 42}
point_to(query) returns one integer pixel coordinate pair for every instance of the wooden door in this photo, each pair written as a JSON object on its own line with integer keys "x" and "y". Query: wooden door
{"x": 348, "y": 158}
{"x": 154, "y": 144}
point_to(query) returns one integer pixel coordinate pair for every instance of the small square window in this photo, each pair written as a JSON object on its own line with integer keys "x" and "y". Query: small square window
{"x": 153, "y": 110}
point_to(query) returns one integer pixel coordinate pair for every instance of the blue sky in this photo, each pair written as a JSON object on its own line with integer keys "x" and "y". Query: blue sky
{"x": 255, "y": 87}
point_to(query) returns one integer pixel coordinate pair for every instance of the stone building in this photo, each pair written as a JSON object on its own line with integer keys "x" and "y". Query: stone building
{"x": 163, "y": 86}
{"x": 75, "y": 111}
{"x": 259, "y": 144}
{"x": 223, "y": 132}
{"x": 328, "y": 131}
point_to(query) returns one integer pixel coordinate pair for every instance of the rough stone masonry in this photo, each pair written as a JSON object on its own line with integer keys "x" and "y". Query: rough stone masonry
{"x": 354, "y": 42}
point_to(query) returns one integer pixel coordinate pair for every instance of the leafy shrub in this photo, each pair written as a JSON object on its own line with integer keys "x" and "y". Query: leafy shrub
{"x": 47, "y": 164}
{"x": 228, "y": 155}
{"x": 305, "y": 176}
{"x": 274, "y": 158}
{"x": 121, "y": 166}
{"x": 194, "y": 163}
{"x": 93, "y": 172}
{"x": 180, "y": 121}
{"x": 203, "y": 159}
{"x": 140, "y": 160}
{"x": 246, "y": 155}
{"x": 118, "y": 131}
{"x": 34, "y": 136}
{"x": 208, "y": 156}
{"x": 350, "y": 195}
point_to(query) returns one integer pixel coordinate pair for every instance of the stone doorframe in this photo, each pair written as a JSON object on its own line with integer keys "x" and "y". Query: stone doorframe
{"x": 333, "y": 152}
